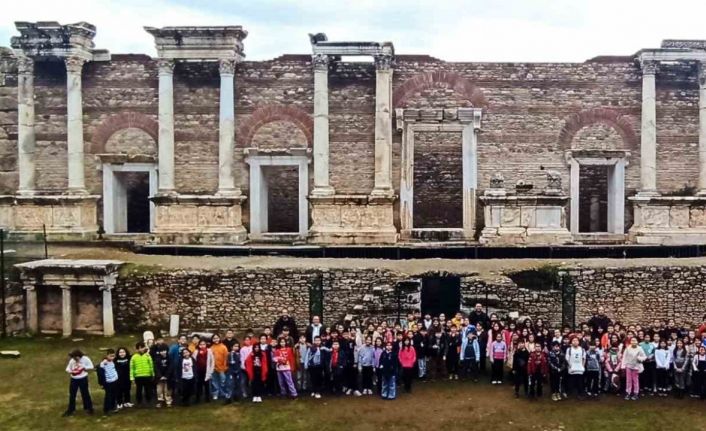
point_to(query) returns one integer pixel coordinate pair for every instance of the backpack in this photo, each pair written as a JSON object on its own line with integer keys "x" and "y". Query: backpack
{"x": 101, "y": 376}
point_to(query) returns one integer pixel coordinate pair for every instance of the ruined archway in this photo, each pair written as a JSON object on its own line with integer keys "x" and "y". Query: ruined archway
{"x": 469, "y": 92}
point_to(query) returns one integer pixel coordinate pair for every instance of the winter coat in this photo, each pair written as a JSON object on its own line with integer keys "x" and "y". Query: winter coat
{"x": 264, "y": 366}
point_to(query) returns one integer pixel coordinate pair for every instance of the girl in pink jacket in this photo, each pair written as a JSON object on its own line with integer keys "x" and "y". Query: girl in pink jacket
{"x": 408, "y": 358}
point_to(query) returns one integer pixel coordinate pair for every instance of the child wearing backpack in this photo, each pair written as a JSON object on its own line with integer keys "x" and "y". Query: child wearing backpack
{"x": 108, "y": 380}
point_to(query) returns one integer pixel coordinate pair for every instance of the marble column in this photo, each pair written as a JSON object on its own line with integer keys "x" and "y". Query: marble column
{"x": 226, "y": 136}
{"x": 166, "y": 127}
{"x": 648, "y": 141}
{"x": 32, "y": 308}
{"x": 322, "y": 186}
{"x": 74, "y": 129}
{"x": 383, "y": 125}
{"x": 107, "y": 289}
{"x": 26, "y": 140}
{"x": 66, "y": 311}
{"x": 702, "y": 128}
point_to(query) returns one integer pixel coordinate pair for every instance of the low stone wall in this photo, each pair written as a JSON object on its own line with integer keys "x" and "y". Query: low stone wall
{"x": 247, "y": 298}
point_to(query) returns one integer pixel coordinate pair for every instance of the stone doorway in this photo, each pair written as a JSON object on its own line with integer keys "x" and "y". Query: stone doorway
{"x": 127, "y": 189}
{"x": 441, "y": 295}
{"x": 597, "y": 194}
{"x": 279, "y": 185}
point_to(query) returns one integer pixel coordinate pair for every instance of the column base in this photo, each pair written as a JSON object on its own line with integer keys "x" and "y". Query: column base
{"x": 668, "y": 220}
{"x": 197, "y": 219}
{"x": 352, "y": 219}
{"x": 647, "y": 194}
{"x": 229, "y": 193}
{"x": 64, "y": 217}
{"x": 327, "y": 191}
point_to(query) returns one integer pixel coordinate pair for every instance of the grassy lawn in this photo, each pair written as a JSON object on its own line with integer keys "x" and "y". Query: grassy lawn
{"x": 33, "y": 395}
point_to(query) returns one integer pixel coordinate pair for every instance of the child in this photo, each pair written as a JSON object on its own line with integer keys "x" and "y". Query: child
{"x": 612, "y": 366}
{"x": 647, "y": 377}
{"x": 219, "y": 352}
{"x": 498, "y": 356}
{"x": 388, "y": 371}
{"x": 366, "y": 362}
{"x": 142, "y": 373}
{"x": 163, "y": 376}
{"x": 122, "y": 366}
{"x": 245, "y": 350}
{"x": 593, "y": 371}
{"x": 185, "y": 374}
{"x": 453, "y": 347}
{"x": 234, "y": 374}
{"x": 315, "y": 360}
{"x": 681, "y": 364}
{"x": 576, "y": 367}
{"x": 419, "y": 341}
{"x": 408, "y": 359}
{"x": 203, "y": 367}
{"x": 699, "y": 375}
{"x": 78, "y": 368}
{"x": 300, "y": 358}
{"x": 379, "y": 349}
{"x": 470, "y": 356}
{"x": 633, "y": 357}
{"x": 663, "y": 362}
{"x": 284, "y": 360}
{"x": 257, "y": 366}
{"x": 537, "y": 368}
{"x": 519, "y": 368}
{"x": 557, "y": 365}
{"x": 437, "y": 353}
{"x": 108, "y": 379}
{"x": 337, "y": 367}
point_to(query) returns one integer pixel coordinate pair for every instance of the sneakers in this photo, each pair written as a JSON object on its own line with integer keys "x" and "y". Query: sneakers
{"x": 357, "y": 393}
{"x": 128, "y": 405}
{"x": 257, "y": 399}
{"x": 556, "y": 397}
{"x": 119, "y": 407}
{"x": 317, "y": 396}
{"x": 313, "y": 394}
{"x": 348, "y": 392}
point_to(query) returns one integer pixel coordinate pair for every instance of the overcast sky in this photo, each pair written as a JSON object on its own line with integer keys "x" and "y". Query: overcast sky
{"x": 471, "y": 30}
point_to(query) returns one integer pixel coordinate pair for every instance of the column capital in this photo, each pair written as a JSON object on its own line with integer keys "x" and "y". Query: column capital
{"x": 384, "y": 62}
{"x": 25, "y": 65}
{"x": 320, "y": 62}
{"x": 649, "y": 67}
{"x": 226, "y": 66}
{"x": 165, "y": 66}
{"x": 74, "y": 64}
{"x": 29, "y": 286}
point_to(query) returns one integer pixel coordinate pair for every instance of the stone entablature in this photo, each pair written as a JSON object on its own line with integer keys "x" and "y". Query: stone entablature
{"x": 199, "y": 43}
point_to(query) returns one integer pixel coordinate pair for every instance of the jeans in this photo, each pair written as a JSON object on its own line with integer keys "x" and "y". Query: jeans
{"x": 593, "y": 381}
{"x": 302, "y": 378}
{"x": 286, "y": 383}
{"x": 186, "y": 388}
{"x": 111, "y": 390}
{"x": 389, "y": 388}
{"x": 422, "y": 366}
{"x": 555, "y": 381}
{"x": 521, "y": 380}
{"x": 218, "y": 385}
{"x": 316, "y": 376}
{"x": 368, "y": 378}
{"x": 469, "y": 369}
{"x": 576, "y": 384}
{"x": 75, "y": 386}
{"x": 535, "y": 384}
{"x": 232, "y": 388}
{"x": 497, "y": 370}
{"x": 407, "y": 377}
{"x": 122, "y": 394}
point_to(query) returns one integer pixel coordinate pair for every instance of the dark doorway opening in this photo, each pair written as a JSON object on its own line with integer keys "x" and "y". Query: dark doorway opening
{"x": 593, "y": 198}
{"x": 282, "y": 198}
{"x": 441, "y": 295}
{"x": 137, "y": 191}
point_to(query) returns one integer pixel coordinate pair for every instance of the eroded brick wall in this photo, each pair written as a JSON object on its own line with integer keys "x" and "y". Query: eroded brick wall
{"x": 438, "y": 180}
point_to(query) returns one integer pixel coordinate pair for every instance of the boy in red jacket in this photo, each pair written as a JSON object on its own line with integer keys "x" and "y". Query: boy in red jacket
{"x": 537, "y": 369}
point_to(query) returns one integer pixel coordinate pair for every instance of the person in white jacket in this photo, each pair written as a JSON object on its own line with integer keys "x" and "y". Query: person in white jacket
{"x": 633, "y": 357}
{"x": 576, "y": 362}
{"x": 663, "y": 361}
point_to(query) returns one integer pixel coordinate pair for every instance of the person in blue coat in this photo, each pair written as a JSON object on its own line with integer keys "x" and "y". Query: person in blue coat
{"x": 470, "y": 356}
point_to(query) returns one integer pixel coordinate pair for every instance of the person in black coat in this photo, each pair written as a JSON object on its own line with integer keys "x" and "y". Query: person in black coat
{"x": 519, "y": 367}
{"x": 337, "y": 365}
{"x": 285, "y": 320}
{"x": 436, "y": 351}
{"x": 122, "y": 366}
{"x": 388, "y": 366}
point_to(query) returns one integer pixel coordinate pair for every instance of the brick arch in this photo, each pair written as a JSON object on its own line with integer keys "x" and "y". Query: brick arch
{"x": 458, "y": 83}
{"x": 121, "y": 121}
{"x": 271, "y": 113}
{"x": 610, "y": 117}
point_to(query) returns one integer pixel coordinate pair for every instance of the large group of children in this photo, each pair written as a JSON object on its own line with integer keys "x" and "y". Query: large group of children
{"x": 599, "y": 357}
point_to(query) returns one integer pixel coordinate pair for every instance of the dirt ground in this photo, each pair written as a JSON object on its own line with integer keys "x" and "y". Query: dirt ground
{"x": 483, "y": 267}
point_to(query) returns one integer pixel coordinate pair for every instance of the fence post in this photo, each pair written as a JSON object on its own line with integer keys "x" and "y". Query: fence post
{"x": 46, "y": 250}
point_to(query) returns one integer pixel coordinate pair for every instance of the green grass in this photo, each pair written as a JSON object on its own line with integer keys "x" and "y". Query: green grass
{"x": 33, "y": 395}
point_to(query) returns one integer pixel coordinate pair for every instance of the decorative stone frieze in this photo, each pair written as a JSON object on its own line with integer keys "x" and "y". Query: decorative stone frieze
{"x": 352, "y": 219}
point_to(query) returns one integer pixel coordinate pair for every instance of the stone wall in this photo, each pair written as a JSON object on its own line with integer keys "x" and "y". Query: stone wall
{"x": 252, "y": 298}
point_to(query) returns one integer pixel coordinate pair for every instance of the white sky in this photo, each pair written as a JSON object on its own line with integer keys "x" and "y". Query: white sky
{"x": 471, "y": 30}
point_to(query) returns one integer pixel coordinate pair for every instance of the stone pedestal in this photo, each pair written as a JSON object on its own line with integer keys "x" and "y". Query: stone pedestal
{"x": 65, "y": 217}
{"x": 524, "y": 220}
{"x": 352, "y": 219}
{"x": 668, "y": 220}
{"x": 198, "y": 219}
